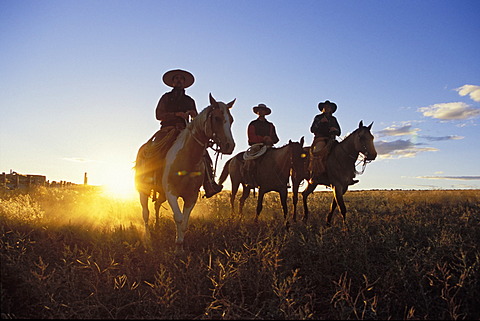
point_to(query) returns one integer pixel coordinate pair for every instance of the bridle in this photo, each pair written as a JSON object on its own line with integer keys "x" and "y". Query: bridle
{"x": 364, "y": 152}
{"x": 214, "y": 142}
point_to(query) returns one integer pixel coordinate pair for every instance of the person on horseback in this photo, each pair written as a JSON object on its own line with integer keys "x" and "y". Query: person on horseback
{"x": 174, "y": 109}
{"x": 325, "y": 128}
{"x": 261, "y": 134}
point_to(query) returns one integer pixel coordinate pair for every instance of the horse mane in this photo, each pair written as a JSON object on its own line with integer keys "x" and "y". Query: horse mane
{"x": 199, "y": 119}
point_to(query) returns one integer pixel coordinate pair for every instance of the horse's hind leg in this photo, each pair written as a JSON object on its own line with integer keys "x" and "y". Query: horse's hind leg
{"x": 310, "y": 188}
{"x": 261, "y": 193}
{"x": 333, "y": 206}
{"x": 158, "y": 204}
{"x": 245, "y": 194}
{"x": 232, "y": 197}
{"x": 145, "y": 213}
{"x": 338, "y": 192}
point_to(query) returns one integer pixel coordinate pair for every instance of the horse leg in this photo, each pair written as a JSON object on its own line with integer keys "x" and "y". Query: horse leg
{"x": 333, "y": 206}
{"x": 145, "y": 213}
{"x": 188, "y": 206}
{"x": 144, "y": 202}
{"x": 310, "y": 188}
{"x": 338, "y": 192}
{"x": 232, "y": 196}
{"x": 178, "y": 218}
{"x": 283, "y": 198}
{"x": 295, "y": 186}
{"x": 245, "y": 194}
{"x": 157, "y": 212}
{"x": 261, "y": 193}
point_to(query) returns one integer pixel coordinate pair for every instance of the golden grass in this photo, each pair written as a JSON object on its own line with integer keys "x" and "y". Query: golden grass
{"x": 75, "y": 253}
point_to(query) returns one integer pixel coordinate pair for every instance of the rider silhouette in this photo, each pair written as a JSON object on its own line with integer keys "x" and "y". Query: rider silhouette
{"x": 174, "y": 110}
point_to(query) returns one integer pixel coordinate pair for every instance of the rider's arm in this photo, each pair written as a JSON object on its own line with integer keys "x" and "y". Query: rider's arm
{"x": 273, "y": 135}
{"x": 161, "y": 112}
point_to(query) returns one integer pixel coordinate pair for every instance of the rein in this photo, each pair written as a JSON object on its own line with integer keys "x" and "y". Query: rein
{"x": 364, "y": 159}
{"x": 210, "y": 141}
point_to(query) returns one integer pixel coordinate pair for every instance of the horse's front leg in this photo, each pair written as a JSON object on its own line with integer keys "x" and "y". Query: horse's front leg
{"x": 188, "y": 206}
{"x": 310, "y": 188}
{"x": 261, "y": 194}
{"x": 178, "y": 217}
{"x": 283, "y": 198}
{"x": 295, "y": 186}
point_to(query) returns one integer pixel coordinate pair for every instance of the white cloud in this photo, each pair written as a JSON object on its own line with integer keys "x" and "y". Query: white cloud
{"x": 398, "y": 131}
{"x": 463, "y": 178}
{"x": 441, "y": 138}
{"x": 78, "y": 159}
{"x": 400, "y": 149}
{"x": 456, "y": 110}
{"x": 472, "y": 90}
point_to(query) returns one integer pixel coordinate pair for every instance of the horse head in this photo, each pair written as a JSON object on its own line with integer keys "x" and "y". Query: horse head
{"x": 219, "y": 125}
{"x": 364, "y": 141}
{"x": 298, "y": 154}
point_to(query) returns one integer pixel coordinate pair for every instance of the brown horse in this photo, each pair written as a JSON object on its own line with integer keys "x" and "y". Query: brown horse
{"x": 340, "y": 170}
{"x": 272, "y": 174}
{"x": 180, "y": 173}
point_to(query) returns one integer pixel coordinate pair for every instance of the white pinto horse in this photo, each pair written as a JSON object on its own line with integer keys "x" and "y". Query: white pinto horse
{"x": 183, "y": 168}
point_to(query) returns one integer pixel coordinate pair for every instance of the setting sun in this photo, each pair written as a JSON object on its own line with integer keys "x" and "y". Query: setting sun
{"x": 118, "y": 181}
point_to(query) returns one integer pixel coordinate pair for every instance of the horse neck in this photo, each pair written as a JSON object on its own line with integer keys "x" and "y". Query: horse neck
{"x": 346, "y": 149}
{"x": 283, "y": 158}
{"x": 197, "y": 128}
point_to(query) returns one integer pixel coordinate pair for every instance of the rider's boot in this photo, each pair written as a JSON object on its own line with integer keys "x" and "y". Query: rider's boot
{"x": 209, "y": 185}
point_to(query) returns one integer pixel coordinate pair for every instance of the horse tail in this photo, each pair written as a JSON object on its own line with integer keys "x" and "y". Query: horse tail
{"x": 225, "y": 172}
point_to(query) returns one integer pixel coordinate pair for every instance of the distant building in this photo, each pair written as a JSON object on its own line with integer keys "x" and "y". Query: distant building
{"x": 14, "y": 180}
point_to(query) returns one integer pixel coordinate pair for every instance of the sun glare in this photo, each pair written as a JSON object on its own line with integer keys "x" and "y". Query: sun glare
{"x": 119, "y": 183}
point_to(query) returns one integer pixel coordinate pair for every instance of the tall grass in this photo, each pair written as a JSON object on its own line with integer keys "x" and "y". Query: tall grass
{"x": 69, "y": 253}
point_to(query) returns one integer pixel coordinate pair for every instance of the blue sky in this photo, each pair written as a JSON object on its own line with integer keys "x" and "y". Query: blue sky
{"x": 80, "y": 80}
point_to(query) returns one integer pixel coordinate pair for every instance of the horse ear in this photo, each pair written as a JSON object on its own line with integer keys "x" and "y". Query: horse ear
{"x": 360, "y": 125}
{"x": 213, "y": 102}
{"x": 230, "y": 104}
{"x": 370, "y": 126}
{"x": 302, "y": 140}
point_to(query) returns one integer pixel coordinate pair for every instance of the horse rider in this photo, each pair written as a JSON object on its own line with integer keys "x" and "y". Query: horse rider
{"x": 174, "y": 110}
{"x": 260, "y": 133}
{"x": 325, "y": 128}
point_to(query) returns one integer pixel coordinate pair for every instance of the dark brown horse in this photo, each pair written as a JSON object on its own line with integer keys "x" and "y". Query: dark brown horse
{"x": 340, "y": 170}
{"x": 272, "y": 174}
{"x": 180, "y": 173}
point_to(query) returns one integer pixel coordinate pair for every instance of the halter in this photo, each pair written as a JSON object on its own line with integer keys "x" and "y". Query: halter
{"x": 364, "y": 158}
{"x": 211, "y": 141}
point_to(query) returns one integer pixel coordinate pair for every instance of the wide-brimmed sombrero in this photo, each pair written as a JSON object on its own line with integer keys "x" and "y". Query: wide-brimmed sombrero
{"x": 325, "y": 103}
{"x": 168, "y": 77}
{"x": 262, "y": 106}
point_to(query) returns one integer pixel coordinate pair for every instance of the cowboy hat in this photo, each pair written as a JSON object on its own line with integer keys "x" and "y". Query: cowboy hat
{"x": 262, "y": 106}
{"x": 326, "y": 103}
{"x": 169, "y": 75}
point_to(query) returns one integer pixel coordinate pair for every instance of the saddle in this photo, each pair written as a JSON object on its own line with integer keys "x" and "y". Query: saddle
{"x": 318, "y": 158}
{"x": 249, "y": 157}
{"x": 151, "y": 157}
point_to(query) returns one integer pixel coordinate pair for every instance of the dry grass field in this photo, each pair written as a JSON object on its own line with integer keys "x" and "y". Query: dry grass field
{"x": 78, "y": 253}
